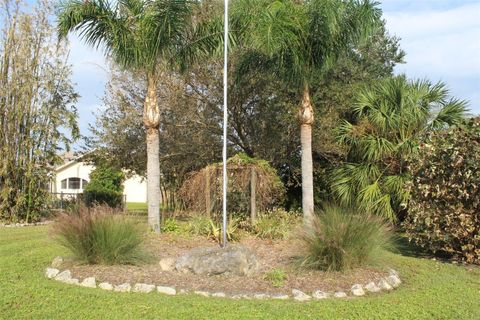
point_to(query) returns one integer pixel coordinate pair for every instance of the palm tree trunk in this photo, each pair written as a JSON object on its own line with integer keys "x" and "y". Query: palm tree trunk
{"x": 151, "y": 119}
{"x": 305, "y": 115}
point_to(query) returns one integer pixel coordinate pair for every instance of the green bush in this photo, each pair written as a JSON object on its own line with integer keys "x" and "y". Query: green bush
{"x": 105, "y": 187}
{"x": 444, "y": 211}
{"x": 204, "y": 226}
{"x": 170, "y": 225}
{"x": 276, "y": 224}
{"x": 341, "y": 239}
{"x": 100, "y": 235}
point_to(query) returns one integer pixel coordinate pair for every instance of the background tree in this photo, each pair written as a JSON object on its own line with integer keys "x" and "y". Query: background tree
{"x": 297, "y": 40}
{"x": 38, "y": 117}
{"x": 150, "y": 38}
{"x": 390, "y": 119}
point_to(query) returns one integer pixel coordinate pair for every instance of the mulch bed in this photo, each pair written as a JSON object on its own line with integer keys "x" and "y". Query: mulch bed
{"x": 278, "y": 254}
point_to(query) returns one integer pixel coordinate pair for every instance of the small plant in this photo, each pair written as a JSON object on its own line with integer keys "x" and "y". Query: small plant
{"x": 276, "y": 277}
{"x": 199, "y": 225}
{"x": 232, "y": 230}
{"x": 100, "y": 235}
{"x": 341, "y": 239}
{"x": 170, "y": 225}
{"x": 275, "y": 224}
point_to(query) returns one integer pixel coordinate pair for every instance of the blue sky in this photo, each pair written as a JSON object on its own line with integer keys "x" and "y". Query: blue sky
{"x": 441, "y": 39}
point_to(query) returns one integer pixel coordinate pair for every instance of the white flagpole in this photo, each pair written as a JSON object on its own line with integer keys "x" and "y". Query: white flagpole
{"x": 225, "y": 121}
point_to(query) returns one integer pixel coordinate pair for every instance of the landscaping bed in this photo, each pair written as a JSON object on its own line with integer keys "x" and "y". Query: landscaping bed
{"x": 279, "y": 271}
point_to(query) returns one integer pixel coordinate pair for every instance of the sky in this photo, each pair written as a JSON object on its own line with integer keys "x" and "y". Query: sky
{"x": 440, "y": 37}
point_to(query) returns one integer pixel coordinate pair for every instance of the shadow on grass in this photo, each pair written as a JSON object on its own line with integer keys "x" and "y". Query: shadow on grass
{"x": 409, "y": 249}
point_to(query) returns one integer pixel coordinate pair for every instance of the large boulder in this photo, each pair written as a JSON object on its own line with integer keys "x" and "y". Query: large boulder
{"x": 234, "y": 259}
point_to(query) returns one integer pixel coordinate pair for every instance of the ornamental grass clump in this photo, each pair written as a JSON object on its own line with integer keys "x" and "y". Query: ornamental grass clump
{"x": 340, "y": 239}
{"x": 101, "y": 235}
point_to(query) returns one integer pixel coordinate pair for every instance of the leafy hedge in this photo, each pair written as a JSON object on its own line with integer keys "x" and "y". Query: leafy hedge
{"x": 105, "y": 187}
{"x": 444, "y": 212}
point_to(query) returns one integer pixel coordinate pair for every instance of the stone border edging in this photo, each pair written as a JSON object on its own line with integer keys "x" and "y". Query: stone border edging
{"x": 20, "y": 225}
{"x": 357, "y": 290}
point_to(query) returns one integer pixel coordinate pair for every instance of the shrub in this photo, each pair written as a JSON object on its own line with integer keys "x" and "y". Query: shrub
{"x": 276, "y": 224}
{"x": 105, "y": 187}
{"x": 100, "y": 235}
{"x": 205, "y": 226}
{"x": 341, "y": 239}
{"x": 444, "y": 211}
{"x": 170, "y": 225}
{"x": 276, "y": 277}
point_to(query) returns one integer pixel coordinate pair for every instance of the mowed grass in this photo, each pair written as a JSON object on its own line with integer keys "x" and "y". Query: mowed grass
{"x": 136, "y": 206}
{"x": 431, "y": 290}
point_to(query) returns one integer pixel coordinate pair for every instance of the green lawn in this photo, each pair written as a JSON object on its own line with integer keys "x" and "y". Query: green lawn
{"x": 136, "y": 206}
{"x": 431, "y": 290}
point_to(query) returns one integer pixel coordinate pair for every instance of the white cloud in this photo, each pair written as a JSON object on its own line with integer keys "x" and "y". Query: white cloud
{"x": 441, "y": 44}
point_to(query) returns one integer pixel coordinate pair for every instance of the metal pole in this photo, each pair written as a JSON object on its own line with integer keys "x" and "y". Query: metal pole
{"x": 225, "y": 121}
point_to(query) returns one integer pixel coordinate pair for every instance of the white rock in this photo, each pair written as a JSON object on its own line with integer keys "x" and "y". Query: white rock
{"x": 340, "y": 294}
{"x": 57, "y": 262}
{"x": 167, "y": 264}
{"x": 124, "y": 287}
{"x": 64, "y": 276}
{"x": 357, "y": 290}
{"x": 89, "y": 282}
{"x": 143, "y": 287}
{"x": 167, "y": 290}
{"x": 393, "y": 280}
{"x": 372, "y": 287}
{"x": 219, "y": 295}
{"x": 261, "y": 296}
{"x": 384, "y": 285}
{"x": 393, "y": 272}
{"x": 202, "y": 293}
{"x": 51, "y": 273}
{"x": 105, "y": 286}
{"x": 236, "y": 297}
{"x": 318, "y": 294}
{"x": 280, "y": 296}
{"x": 182, "y": 291}
{"x": 300, "y": 296}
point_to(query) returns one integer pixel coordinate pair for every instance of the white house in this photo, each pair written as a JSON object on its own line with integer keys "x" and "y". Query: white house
{"x": 74, "y": 174}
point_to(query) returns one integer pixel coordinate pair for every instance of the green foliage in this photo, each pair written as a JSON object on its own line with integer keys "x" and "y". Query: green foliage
{"x": 199, "y": 225}
{"x": 100, "y": 236}
{"x": 341, "y": 239}
{"x": 170, "y": 225}
{"x": 205, "y": 226}
{"x": 444, "y": 211}
{"x": 37, "y": 110}
{"x": 390, "y": 119}
{"x": 105, "y": 187}
{"x": 275, "y": 224}
{"x": 276, "y": 277}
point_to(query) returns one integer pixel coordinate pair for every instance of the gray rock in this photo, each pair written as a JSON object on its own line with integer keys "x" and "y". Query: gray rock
{"x": 384, "y": 285}
{"x": 357, "y": 290}
{"x": 219, "y": 295}
{"x": 300, "y": 296}
{"x": 143, "y": 287}
{"x": 89, "y": 282}
{"x": 64, "y": 276}
{"x": 280, "y": 296}
{"x": 261, "y": 296}
{"x": 372, "y": 287}
{"x": 167, "y": 290}
{"x": 51, "y": 273}
{"x": 393, "y": 280}
{"x": 57, "y": 262}
{"x": 167, "y": 264}
{"x": 124, "y": 287}
{"x": 234, "y": 259}
{"x": 318, "y": 294}
{"x": 105, "y": 286}
{"x": 340, "y": 294}
{"x": 202, "y": 293}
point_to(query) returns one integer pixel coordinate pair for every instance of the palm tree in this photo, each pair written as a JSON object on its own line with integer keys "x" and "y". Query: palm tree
{"x": 149, "y": 37}
{"x": 299, "y": 40}
{"x": 390, "y": 119}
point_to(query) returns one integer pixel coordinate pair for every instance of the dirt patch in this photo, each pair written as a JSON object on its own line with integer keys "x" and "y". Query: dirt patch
{"x": 271, "y": 255}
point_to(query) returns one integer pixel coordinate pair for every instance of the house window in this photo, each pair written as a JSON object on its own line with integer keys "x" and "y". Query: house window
{"x": 73, "y": 183}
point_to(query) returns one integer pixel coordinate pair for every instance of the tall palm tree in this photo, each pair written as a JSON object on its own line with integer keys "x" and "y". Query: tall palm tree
{"x": 390, "y": 119}
{"x": 299, "y": 40}
{"x": 150, "y": 37}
